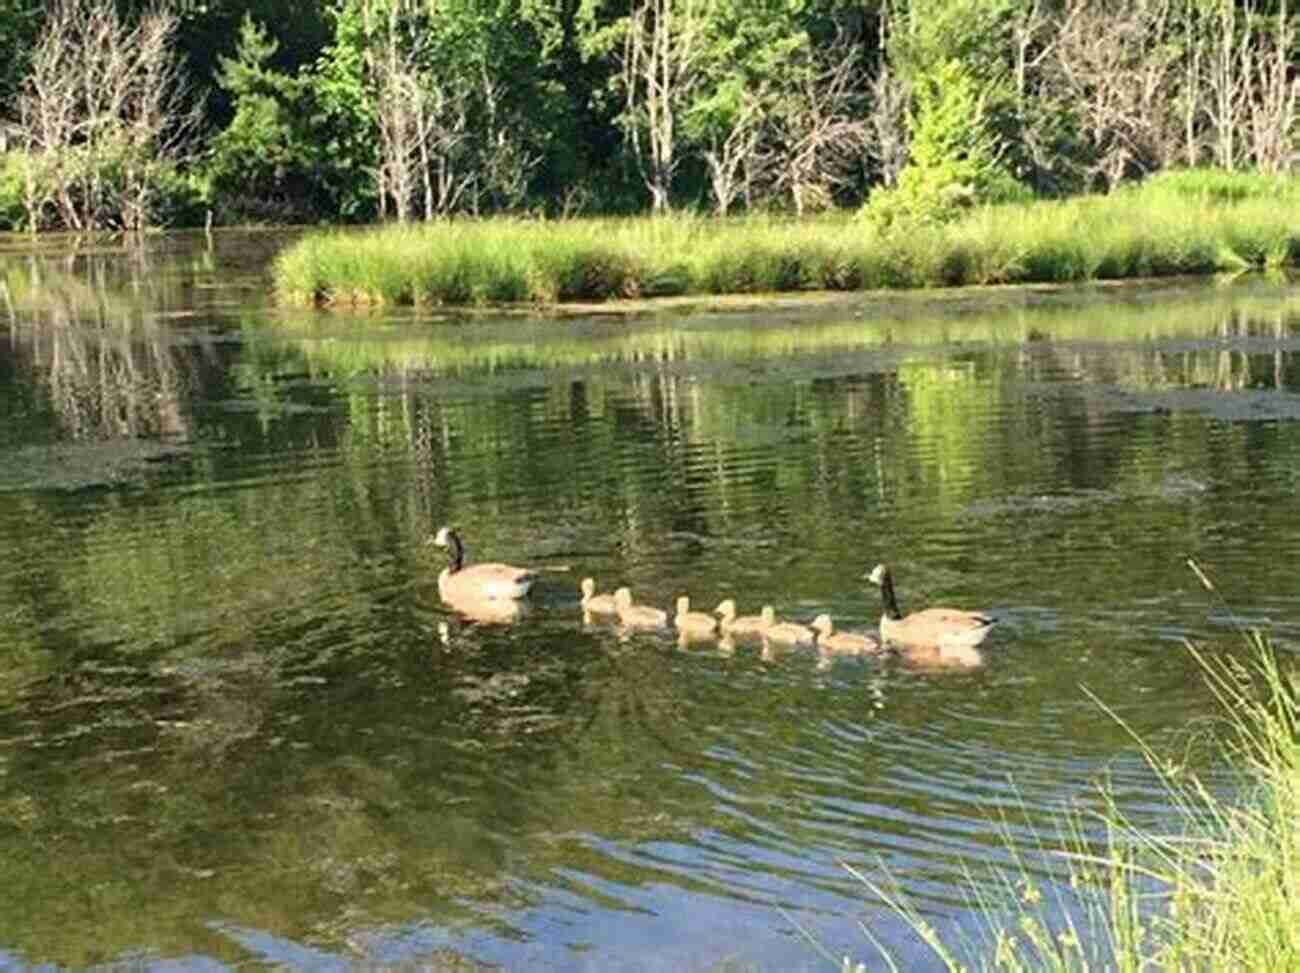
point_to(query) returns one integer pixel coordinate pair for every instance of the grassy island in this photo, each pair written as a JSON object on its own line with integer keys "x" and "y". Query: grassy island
{"x": 1174, "y": 224}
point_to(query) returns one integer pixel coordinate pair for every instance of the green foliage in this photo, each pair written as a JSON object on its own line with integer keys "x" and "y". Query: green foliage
{"x": 1144, "y": 232}
{"x": 291, "y": 131}
{"x": 343, "y": 127}
{"x": 1219, "y": 185}
{"x": 928, "y": 33}
{"x": 954, "y": 163}
{"x": 13, "y": 212}
{"x": 261, "y": 162}
{"x": 19, "y": 22}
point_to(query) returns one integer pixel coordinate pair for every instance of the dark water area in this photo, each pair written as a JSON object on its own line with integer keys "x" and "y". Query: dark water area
{"x": 239, "y": 730}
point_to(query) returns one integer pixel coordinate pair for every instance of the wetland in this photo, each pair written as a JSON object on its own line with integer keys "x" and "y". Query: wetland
{"x": 239, "y": 730}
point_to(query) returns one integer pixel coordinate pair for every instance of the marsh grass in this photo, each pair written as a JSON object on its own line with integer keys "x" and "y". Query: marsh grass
{"x": 1191, "y": 223}
{"x": 1219, "y": 889}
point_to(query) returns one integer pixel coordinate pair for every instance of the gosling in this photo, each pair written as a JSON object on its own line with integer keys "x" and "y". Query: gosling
{"x": 730, "y": 624}
{"x": 849, "y": 643}
{"x": 594, "y": 604}
{"x": 693, "y": 623}
{"x": 638, "y": 616}
{"x": 787, "y": 633}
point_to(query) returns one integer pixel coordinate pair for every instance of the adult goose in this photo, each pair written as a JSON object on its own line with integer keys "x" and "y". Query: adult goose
{"x": 848, "y": 643}
{"x": 638, "y": 616}
{"x": 594, "y": 604}
{"x": 489, "y": 581}
{"x": 693, "y": 623}
{"x": 731, "y": 624}
{"x": 940, "y": 628}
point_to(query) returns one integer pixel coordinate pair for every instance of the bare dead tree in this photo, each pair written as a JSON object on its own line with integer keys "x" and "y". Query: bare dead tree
{"x": 1041, "y": 117}
{"x": 1241, "y": 90}
{"x": 822, "y": 133}
{"x": 507, "y": 162}
{"x": 1114, "y": 65}
{"x": 1226, "y": 81}
{"x": 734, "y": 156}
{"x": 449, "y": 163}
{"x": 663, "y": 44}
{"x": 103, "y": 112}
{"x": 887, "y": 123}
{"x": 401, "y": 108}
{"x": 423, "y": 117}
{"x": 1274, "y": 106}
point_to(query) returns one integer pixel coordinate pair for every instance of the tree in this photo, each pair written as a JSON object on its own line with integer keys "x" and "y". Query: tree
{"x": 258, "y": 161}
{"x": 456, "y": 120}
{"x": 729, "y": 125}
{"x": 947, "y": 61}
{"x": 744, "y": 67}
{"x": 1245, "y": 90}
{"x": 19, "y": 25}
{"x": 661, "y": 45}
{"x": 1117, "y": 64}
{"x": 820, "y": 130}
{"x": 104, "y": 117}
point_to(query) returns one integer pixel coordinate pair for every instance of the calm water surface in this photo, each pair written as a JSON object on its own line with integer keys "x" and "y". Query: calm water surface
{"x": 237, "y": 728}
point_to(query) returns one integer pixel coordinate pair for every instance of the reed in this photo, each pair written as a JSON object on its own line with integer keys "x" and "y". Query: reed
{"x": 1217, "y": 889}
{"x": 1193, "y": 223}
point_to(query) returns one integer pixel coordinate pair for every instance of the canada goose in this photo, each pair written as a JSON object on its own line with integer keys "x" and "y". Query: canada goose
{"x": 787, "y": 633}
{"x": 491, "y": 611}
{"x": 729, "y": 624}
{"x": 948, "y": 657}
{"x": 490, "y": 581}
{"x": 850, "y": 643}
{"x": 942, "y": 628}
{"x": 693, "y": 623}
{"x": 595, "y": 604}
{"x": 638, "y": 616}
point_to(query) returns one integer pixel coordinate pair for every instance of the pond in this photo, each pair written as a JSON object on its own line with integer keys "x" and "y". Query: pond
{"x": 238, "y": 728}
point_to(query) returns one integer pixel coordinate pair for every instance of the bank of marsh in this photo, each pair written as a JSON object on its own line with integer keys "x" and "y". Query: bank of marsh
{"x": 1170, "y": 226}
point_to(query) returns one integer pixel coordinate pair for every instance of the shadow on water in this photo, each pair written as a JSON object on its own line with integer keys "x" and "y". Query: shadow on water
{"x": 237, "y": 727}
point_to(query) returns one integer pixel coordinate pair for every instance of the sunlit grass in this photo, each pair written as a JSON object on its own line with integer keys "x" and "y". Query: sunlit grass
{"x": 1218, "y": 889}
{"x": 1189, "y": 224}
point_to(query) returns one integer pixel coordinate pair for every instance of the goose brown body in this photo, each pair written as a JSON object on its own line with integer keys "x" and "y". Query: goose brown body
{"x": 477, "y": 583}
{"x": 489, "y": 580}
{"x": 941, "y": 628}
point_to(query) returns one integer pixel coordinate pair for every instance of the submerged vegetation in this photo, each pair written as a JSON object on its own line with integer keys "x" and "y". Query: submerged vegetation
{"x": 1218, "y": 888}
{"x": 1181, "y": 223}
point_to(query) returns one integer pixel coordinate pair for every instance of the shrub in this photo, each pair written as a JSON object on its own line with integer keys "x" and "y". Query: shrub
{"x": 13, "y": 212}
{"x": 953, "y": 163}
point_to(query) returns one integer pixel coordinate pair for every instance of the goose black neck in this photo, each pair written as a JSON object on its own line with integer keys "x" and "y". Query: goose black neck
{"x": 887, "y": 596}
{"x": 455, "y": 552}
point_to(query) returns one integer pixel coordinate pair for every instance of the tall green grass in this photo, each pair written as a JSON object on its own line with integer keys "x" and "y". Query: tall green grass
{"x": 1192, "y": 223}
{"x": 1219, "y": 889}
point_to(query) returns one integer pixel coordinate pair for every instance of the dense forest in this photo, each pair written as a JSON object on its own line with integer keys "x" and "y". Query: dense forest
{"x": 139, "y": 114}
